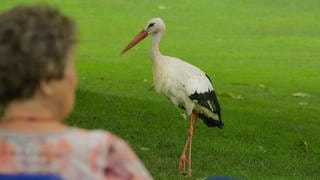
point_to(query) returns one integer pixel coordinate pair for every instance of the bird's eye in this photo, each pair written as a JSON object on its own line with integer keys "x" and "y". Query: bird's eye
{"x": 150, "y": 25}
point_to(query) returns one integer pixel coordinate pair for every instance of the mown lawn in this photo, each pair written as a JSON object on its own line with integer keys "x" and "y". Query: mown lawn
{"x": 263, "y": 51}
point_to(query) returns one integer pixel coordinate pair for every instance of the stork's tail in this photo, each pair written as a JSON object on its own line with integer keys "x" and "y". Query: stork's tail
{"x": 210, "y": 122}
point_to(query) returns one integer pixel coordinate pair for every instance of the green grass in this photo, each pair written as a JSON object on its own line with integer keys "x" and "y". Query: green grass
{"x": 242, "y": 44}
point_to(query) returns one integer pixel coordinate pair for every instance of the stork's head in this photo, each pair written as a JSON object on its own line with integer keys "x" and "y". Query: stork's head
{"x": 154, "y": 26}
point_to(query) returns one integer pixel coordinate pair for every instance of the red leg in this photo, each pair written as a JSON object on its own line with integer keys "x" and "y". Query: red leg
{"x": 193, "y": 118}
{"x": 182, "y": 160}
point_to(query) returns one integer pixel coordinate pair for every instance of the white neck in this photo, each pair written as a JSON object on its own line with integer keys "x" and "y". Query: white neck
{"x": 155, "y": 52}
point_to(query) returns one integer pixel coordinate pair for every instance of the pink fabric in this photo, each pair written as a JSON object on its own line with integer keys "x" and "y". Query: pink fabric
{"x": 73, "y": 154}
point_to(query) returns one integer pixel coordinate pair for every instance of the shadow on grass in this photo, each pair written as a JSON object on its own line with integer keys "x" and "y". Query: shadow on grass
{"x": 119, "y": 114}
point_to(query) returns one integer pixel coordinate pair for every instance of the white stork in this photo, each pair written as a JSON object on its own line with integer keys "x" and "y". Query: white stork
{"x": 185, "y": 85}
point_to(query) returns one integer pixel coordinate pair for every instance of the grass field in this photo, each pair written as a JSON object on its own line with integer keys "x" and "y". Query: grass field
{"x": 263, "y": 51}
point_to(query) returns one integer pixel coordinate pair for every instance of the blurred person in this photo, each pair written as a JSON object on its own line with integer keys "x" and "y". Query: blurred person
{"x": 37, "y": 90}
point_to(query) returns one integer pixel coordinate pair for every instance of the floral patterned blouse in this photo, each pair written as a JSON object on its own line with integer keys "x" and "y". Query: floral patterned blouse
{"x": 73, "y": 154}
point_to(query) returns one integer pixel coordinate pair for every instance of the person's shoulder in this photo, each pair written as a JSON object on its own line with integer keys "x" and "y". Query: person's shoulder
{"x": 95, "y": 135}
{"x": 86, "y": 132}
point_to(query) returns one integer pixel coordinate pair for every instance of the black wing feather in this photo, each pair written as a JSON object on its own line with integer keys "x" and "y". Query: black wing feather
{"x": 208, "y": 100}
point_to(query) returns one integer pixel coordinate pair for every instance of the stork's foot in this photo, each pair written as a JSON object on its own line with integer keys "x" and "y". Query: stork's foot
{"x": 182, "y": 164}
{"x": 189, "y": 173}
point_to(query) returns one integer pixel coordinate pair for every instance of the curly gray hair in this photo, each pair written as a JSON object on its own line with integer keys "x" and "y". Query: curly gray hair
{"x": 34, "y": 42}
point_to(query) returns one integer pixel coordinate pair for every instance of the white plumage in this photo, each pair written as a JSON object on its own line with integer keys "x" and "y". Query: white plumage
{"x": 178, "y": 80}
{"x": 185, "y": 85}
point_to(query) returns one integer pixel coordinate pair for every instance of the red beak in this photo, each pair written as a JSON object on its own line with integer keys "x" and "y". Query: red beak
{"x": 143, "y": 34}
